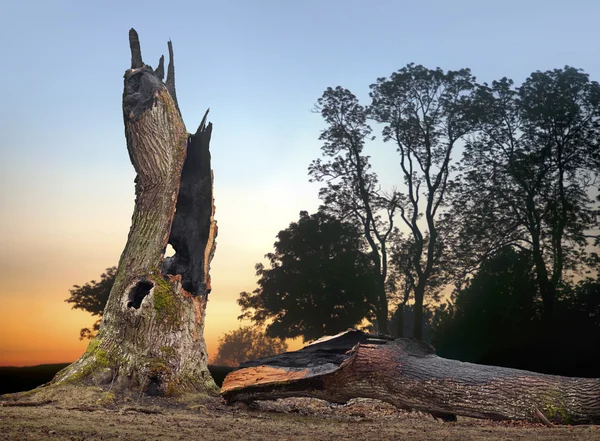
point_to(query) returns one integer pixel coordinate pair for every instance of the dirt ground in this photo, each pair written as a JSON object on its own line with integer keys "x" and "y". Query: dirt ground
{"x": 290, "y": 419}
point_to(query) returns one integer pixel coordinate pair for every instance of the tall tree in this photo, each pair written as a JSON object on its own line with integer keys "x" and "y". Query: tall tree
{"x": 318, "y": 282}
{"x": 529, "y": 172}
{"x": 92, "y": 297}
{"x": 351, "y": 190}
{"x": 151, "y": 336}
{"x": 426, "y": 113}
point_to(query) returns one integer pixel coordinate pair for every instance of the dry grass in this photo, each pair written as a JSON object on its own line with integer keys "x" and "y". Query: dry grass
{"x": 291, "y": 419}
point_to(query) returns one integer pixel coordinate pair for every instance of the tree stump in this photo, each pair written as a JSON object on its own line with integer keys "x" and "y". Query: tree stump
{"x": 151, "y": 340}
{"x": 409, "y": 375}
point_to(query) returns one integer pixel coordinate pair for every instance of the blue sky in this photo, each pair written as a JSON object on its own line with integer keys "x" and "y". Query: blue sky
{"x": 66, "y": 183}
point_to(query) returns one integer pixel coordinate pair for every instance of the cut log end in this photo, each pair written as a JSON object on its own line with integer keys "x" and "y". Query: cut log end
{"x": 262, "y": 375}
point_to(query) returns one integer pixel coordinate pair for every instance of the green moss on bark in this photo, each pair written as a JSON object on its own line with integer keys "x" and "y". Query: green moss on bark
{"x": 557, "y": 414}
{"x": 555, "y": 409}
{"x": 97, "y": 361}
{"x": 166, "y": 304}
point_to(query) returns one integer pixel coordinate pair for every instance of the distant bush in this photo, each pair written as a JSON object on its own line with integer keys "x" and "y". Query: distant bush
{"x": 246, "y": 343}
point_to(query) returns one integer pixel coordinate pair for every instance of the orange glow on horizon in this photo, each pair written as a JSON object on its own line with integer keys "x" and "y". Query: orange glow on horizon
{"x": 33, "y": 335}
{"x": 38, "y": 327}
{"x": 58, "y": 241}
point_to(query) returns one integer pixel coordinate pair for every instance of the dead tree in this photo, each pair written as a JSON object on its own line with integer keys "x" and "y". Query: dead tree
{"x": 408, "y": 374}
{"x": 151, "y": 339}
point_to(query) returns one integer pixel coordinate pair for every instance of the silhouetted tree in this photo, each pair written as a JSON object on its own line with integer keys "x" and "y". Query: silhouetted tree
{"x": 319, "y": 282}
{"x": 578, "y": 328}
{"x": 583, "y": 300}
{"x": 351, "y": 191}
{"x": 426, "y": 113}
{"x": 246, "y": 343}
{"x": 92, "y": 297}
{"x": 491, "y": 313}
{"x": 528, "y": 175}
{"x": 496, "y": 318}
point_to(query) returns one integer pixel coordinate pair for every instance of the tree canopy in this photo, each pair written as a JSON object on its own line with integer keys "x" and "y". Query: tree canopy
{"x": 528, "y": 175}
{"x": 425, "y": 113}
{"x": 92, "y": 297}
{"x": 319, "y": 281}
{"x": 526, "y": 178}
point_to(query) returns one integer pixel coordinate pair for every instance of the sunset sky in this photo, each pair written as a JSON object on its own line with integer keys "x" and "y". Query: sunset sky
{"x": 66, "y": 182}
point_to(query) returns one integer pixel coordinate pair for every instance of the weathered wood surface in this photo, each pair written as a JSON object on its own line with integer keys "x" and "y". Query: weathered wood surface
{"x": 151, "y": 339}
{"x": 409, "y": 375}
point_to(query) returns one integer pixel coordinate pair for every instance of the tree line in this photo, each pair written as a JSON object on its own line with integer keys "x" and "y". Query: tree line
{"x": 489, "y": 238}
{"x": 495, "y": 183}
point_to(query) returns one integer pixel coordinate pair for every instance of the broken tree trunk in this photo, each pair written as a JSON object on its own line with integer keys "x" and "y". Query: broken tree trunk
{"x": 408, "y": 374}
{"x": 151, "y": 339}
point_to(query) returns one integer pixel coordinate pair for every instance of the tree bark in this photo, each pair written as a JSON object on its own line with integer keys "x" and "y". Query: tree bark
{"x": 408, "y": 374}
{"x": 381, "y": 312}
{"x": 418, "y": 311}
{"x": 400, "y": 320}
{"x": 151, "y": 340}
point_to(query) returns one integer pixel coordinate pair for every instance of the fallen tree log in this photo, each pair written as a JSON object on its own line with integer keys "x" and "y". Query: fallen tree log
{"x": 409, "y": 375}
